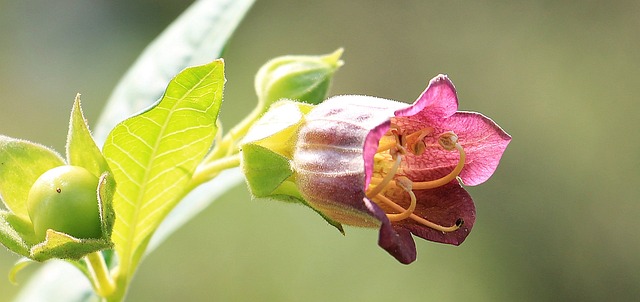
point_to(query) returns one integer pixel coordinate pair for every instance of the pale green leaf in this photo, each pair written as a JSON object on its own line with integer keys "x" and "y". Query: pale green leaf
{"x": 21, "y": 163}
{"x": 195, "y": 202}
{"x": 153, "y": 155}
{"x": 82, "y": 151}
{"x": 12, "y": 233}
{"x": 17, "y": 267}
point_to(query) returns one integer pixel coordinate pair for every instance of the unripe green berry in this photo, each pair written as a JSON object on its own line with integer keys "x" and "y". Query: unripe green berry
{"x": 65, "y": 199}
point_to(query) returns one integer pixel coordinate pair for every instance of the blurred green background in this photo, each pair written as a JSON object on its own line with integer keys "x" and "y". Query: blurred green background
{"x": 555, "y": 223}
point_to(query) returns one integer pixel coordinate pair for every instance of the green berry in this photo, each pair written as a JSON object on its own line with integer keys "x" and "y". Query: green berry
{"x": 65, "y": 199}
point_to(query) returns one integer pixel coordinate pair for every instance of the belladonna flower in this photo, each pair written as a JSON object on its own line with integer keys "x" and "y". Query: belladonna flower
{"x": 372, "y": 162}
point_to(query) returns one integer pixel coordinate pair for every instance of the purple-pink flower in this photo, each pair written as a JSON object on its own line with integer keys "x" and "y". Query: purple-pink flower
{"x": 372, "y": 162}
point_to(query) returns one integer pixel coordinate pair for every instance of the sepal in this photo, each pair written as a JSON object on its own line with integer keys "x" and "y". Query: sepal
{"x": 267, "y": 150}
{"x": 63, "y": 246}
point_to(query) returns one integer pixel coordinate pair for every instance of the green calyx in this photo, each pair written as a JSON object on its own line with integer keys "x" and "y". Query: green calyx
{"x": 267, "y": 150}
{"x": 268, "y": 147}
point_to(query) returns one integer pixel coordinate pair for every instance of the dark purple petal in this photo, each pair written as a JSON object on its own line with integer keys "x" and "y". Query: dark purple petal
{"x": 444, "y": 206}
{"x": 397, "y": 242}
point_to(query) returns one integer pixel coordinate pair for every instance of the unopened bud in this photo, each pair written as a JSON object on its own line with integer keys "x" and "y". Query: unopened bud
{"x": 299, "y": 78}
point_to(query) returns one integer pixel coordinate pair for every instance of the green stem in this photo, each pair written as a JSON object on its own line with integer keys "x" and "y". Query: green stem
{"x": 227, "y": 146}
{"x": 101, "y": 279}
{"x": 208, "y": 170}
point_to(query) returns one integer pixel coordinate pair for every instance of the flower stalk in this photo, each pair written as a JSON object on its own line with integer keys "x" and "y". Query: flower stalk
{"x": 101, "y": 279}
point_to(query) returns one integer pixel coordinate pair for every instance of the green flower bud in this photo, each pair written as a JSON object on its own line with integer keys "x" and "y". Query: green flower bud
{"x": 300, "y": 78}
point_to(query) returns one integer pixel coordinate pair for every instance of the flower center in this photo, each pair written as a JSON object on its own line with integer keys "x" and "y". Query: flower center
{"x": 393, "y": 148}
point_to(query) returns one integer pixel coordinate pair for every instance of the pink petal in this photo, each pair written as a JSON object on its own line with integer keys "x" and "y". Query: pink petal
{"x": 484, "y": 143}
{"x": 482, "y": 139}
{"x": 437, "y": 101}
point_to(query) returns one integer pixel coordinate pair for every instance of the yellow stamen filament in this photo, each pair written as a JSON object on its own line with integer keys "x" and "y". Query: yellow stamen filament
{"x": 405, "y": 184}
{"x": 448, "y": 141}
{"x": 404, "y": 213}
{"x": 423, "y": 185}
{"x": 432, "y": 184}
{"x": 408, "y": 213}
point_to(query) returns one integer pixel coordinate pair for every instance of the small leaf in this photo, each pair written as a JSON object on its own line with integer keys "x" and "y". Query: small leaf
{"x": 19, "y": 266}
{"x": 82, "y": 150}
{"x": 21, "y": 163}
{"x": 13, "y": 231}
{"x": 153, "y": 155}
{"x": 62, "y": 246}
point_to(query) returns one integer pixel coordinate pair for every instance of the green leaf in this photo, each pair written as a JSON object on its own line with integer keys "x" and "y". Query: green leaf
{"x": 82, "y": 151}
{"x": 62, "y": 246}
{"x": 195, "y": 202}
{"x": 12, "y": 233}
{"x": 153, "y": 155}
{"x": 21, "y": 163}
{"x": 197, "y": 37}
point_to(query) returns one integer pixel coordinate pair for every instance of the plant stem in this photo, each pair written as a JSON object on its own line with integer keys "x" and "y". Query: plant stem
{"x": 208, "y": 170}
{"x": 101, "y": 279}
{"x": 227, "y": 146}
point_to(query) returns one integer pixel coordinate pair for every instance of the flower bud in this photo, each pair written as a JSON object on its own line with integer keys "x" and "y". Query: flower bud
{"x": 299, "y": 78}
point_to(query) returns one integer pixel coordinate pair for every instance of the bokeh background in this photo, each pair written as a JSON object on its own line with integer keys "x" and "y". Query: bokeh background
{"x": 555, "y": 223}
